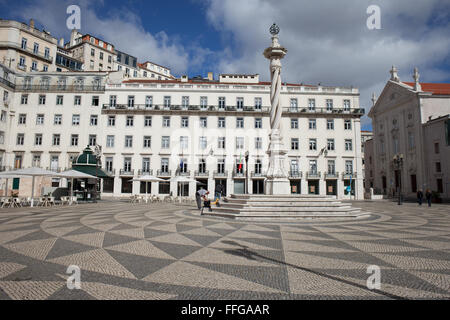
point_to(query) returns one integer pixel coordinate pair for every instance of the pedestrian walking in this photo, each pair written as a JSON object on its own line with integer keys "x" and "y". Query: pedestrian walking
{"x": 419, "y": 197}
{"x": 198, "y": 197}
{"x": 428, "y": 196}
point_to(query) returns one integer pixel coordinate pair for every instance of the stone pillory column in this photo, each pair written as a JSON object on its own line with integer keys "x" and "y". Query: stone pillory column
{"x": 277, "y": 182}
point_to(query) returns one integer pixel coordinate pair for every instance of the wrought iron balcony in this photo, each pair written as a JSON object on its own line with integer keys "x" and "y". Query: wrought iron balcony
{"x": 313, "y": 175}
{"x": 204, "y": 173}
{"x": 220, "y": 173}
{"x": 357, "y": 111}
{"x": 142, "y": 172}
{"x": 124, "y": 172}
{"x": 331, "y": 175}
{"x": 349, "y": 175}
{"x": 258, "y": 174}
{"x": 184, "y": 173}
{"x": 181, "y": 108}
{"x": 238, "y": 174}
{"x": 295, "y": 174}
{"x": 163, "y": 173}
{"x": 111, "y": 172}
{"x": 59, "y": 88}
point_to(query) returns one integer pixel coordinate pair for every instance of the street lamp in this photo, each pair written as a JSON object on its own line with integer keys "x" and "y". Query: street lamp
{"x": 398, "y": 163}
{"x": 246, "y": 172}
{"x": 98, "y": 159}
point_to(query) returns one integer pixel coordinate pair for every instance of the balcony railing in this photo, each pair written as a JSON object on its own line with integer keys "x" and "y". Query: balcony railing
{"x": 110, "y": 171}
{"x": 8, "y": 83}
{"x": 22, "y": 67}
{"x": 204, "y": 173}
{"x": 295, "y": 174}
{"x": 58, "y": 88}
{"x": 54, "y": 169}
{"x": 258, "y": 174}
{"x": 313, "y": 175}
{"x": 220, "y": 173}
{"x": 16, "y": 46}
{"x": 349, "y": 175}
{"x": 124, "y": 172}
{"x": 142, "y": 172}
{"x": 331, "y": 175}
{"x": 238, "y": 174}
{"x": 359, "y": 111}
{"x": 142, "y": 107}
{"x": 184, "y": 173}
{"x": 163, "y": 173}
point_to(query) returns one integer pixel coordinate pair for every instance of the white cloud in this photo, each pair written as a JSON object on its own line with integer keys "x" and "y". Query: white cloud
{"x": 328, "y": 40}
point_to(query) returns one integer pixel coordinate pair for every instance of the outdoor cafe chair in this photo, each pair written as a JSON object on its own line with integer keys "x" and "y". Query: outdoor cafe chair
{"x": 74, "y": 200}
{"x": 6, "y": 202}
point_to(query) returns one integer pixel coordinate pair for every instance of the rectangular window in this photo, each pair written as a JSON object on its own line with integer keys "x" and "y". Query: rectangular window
{"x": 20, "y": 139}
{"x": 184, "y": 122}
{"x": 347, "y": 105}
{"x": 221, "y": 143}
{"x": 348, "y": 145}
{"x": 22, "y": 118}
{"x": 111, "y": 121}
{"x": 347, "y": 124}
{"x": 146, "y": 165}
{"x": 40, "y": 119}
{"x": 128, "y": 141}
{"x": 239, "y": 122}
{"x": 312, "y": 124}
{"x": 203, "y": 122}
{"x": 130, "y": 101}
{"x": 110, "y": 141}
{"x": 185, "y": 102}
{"x": 164, "y": 165}
{"x": 95, "y": 101}
{"x": 258, "y": 143}
{"x": 147, "y": 141}
{"x": 92, "y": 140}
{"x": 203, "y": 103}
{"x": 221, "y": 122}
{"x": 348, "y": 166}
{"x": 77, "y": 101}
{"x": 74, "y": 140}
{"x": 203, "y": 143}
{"x": 294, "y": 143}
{"x": 312, "y": 144}
{"x": 165, "y": 142}
{"x": 438, "y": 167}
{"x": 112, "y": 101}
{"x": 42, "y": 99}
{"x": 313, "y": 166}
{"x": 330, "y": 124}
{"x": 440, "y": 186}
{"x": 436, "y": 147}
{"x": 109, "y": 164}
{"x": 94, "y": 120}
{"x": 331, "y": 167}
{"x": 222, "y": 104}
{"x": 148, "y": 121}
{"x": 239, "y": 143}
{"x": 258, "y": 103}
{"x": 59, "y": 100}
{"x": 221, "y": 166}
{"x": 167, "y": 102}
{"x": 166, "y": 121}
{"x": 330, "y": 144}
{"x": 184, "y": 142}
{"x": 130, "y": 121}
{"x": 311, "y": 104}
{"x": 294, "y": 123}
{"x": 258, "y": 123}
{"x": 293, "y": 105}
{"x": 34, "y": 66}
{"x": 329, "y": 103}
{"x": 148, "y": 101}
{"x": 24, "y": 43}
{"x": 56, "y": 139}
{"x": 239, "y": 103}
{"x": 57, "y": 119}
{"x": 24, "y": 99}
{"x": 127, "y": 164}
{"x": 36, "y": 48}
{"x": 38, "y": 139}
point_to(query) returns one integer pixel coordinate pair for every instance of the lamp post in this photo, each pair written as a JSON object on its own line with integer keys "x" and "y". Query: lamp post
{"x": 246, "y": 172}
{"x": 398, "y": 163}
{"x": 98, "y": 159}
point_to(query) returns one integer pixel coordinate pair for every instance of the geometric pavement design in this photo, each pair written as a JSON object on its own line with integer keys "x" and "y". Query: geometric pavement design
{"x": 169, "y": 251}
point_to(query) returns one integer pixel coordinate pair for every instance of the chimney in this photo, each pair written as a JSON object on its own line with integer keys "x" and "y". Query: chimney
{"x": 61, "y": 42}
{"x": 73, "y": 36}
{"x": 32, "y": 23}
{"x": 184, "y": 78}
{"x": 210, "y": 76}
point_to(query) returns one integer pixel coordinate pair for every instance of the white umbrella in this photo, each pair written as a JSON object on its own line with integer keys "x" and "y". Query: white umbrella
{"x": 74, "y": 174}
{"x": 147, "y": 178}
{"x": 29, "y": 172}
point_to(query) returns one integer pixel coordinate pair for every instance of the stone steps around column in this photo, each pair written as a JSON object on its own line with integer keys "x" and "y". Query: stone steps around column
{"x": 284, "y": 206}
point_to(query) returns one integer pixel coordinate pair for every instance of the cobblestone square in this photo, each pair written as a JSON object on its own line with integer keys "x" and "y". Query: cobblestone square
{"x": 168, "y": 251}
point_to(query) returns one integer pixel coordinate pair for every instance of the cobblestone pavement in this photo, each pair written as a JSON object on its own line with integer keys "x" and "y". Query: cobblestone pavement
{"x": 161, "y": 251}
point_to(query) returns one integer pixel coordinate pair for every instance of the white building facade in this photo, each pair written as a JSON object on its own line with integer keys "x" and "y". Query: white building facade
{"x": 404, "y": 123}
{"x": 200, "y": 129}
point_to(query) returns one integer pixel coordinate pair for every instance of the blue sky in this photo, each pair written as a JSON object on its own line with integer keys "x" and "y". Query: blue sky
{"x": 328, "y": 40}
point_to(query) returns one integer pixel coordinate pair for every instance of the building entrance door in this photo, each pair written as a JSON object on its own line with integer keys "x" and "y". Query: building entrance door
{"x": 313, "y": 186}
{"x": 258, "y": 186}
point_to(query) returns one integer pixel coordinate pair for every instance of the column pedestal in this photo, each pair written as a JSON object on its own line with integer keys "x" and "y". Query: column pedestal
{"x": 277, "y": 182}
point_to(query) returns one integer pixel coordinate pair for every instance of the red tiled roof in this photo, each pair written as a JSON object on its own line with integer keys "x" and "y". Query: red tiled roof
{"x": 435, "y": 88}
